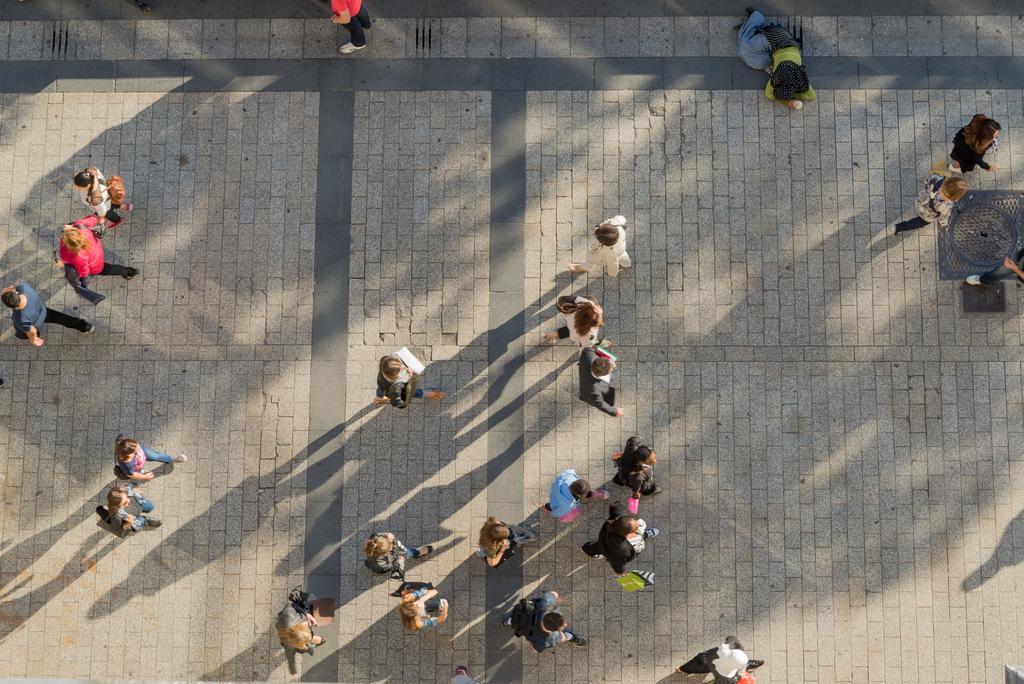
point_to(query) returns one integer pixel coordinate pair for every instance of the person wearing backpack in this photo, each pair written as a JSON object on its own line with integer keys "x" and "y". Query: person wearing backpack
{"x": 81, "y": 254}
{"x": 622, "y": 537}
{"x": 102, "y": 197}
{"x": 119, "y": 498}
{"x": 393, "y": 378}
{"x": 567, "y": 491}
{"x": 385, "y": 554}
{"x": 608, "y": 251}
{"x": 728, "y": 662}
{"x": 130, "y": 458}
{"x": 539, "y": 623}
{"x": 635, "y": 468}
{"x": 934, "y": 203}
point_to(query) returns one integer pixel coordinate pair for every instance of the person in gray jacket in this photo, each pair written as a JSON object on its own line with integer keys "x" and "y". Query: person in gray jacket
{"x": 596, "y": 381}
{"x": 934, "y": 203}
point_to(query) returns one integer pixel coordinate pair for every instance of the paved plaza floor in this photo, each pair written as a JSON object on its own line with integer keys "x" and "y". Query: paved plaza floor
{"x": 838, "y": 443}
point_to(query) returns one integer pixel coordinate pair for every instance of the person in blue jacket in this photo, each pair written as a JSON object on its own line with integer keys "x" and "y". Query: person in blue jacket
{"x": 567, "y": 491}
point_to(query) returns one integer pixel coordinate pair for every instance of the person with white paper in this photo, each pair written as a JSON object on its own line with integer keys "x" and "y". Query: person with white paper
{"x": 397, "y": 379}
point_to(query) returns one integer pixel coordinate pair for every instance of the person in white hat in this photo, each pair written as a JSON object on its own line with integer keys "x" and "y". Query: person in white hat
{"x": 728, "y": 662}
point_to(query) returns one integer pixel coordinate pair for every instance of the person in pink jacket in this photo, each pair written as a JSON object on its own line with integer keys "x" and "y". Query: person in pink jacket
{"x": 81, "y": 254}
{"x": 352, "y": 15}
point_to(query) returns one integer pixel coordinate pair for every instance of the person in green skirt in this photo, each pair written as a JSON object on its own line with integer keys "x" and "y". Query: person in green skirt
{"x": 773, "y": 48}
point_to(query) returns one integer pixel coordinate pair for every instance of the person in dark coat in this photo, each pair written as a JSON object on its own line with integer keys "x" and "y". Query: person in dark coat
{"x": 621, "y": 538}
{"x": 727, "y": 662}
{"x": 972, "y": 142}
{"x": 596, "y": 381}
{"x": 635, "y": 468}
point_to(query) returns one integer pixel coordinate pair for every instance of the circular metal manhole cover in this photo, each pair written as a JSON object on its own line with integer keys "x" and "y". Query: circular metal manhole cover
{"x": 983, "y": 234}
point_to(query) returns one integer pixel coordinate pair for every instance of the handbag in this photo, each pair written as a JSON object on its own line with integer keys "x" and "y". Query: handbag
{"x": 115, "y": 187}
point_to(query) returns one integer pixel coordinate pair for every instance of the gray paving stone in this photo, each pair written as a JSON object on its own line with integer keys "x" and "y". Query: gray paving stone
{"x": 320, "y": 38}
{"x": 484, "y": 37}
{"x": 722, "y": 36}
{"x": 185, "y": 39}
{"x": 218, "y": 38}
{"x": 454, "y": 37}
{"x": 587, "y": 38}
{"x": 622, "y": 36}
{"x": 923, "y": 36}
{"x": 825, "y": 32}
{"x": 995, "y": 36}
{"x": 5, "y": 38}
{"x": 656, "y": 36}
{"x": 26, "y": 40}
{"x": 553, "y": 37}
{"x": 252, "y": 38}
{"x": 518, "y": 37}
{"x": 151, "y": 39}
{"x": 389, "y": 36}
{"x": 286, "y": 38}
{"x": 691, "y": 36}
{"x": 959, "y": 36}
{"x": 855, "y": 36}
{"x": 889, "y": 36}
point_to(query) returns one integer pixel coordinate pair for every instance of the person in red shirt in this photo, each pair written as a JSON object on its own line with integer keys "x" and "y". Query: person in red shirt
{"x": 81, "y": 254}
{"x": 352, "y": 15}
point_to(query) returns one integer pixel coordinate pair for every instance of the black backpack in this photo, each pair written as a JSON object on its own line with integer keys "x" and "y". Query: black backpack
{"x": 393, "y": 565}
{"x": 522, "y": 617}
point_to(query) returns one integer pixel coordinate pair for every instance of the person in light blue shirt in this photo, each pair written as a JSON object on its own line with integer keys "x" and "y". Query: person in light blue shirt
{"x": 567, "y": 491}
{"x": 29, "y": 313}
{"x": 421, "y": 609}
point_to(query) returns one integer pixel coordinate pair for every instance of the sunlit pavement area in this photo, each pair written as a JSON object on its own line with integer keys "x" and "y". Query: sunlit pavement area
{"x": 836, "y": 438}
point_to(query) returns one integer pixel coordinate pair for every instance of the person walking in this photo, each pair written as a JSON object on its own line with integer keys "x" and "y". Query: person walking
{"x": 934, "y": 203}
{"x": 295, "y": 623}
{"x": 971, "y": 143}
{"x": 462, "y": 676}
{"x": 499, "y": 542}
{"x": 583, "y": 318}
{"x": 118, "y": 499}
{"x": 104, "y": 198}
{"x": 353, "y": 16}
{"x": 386, "y": 554}
{"x": 635, "y": 468}
{"x": 393, "y": 378}
{"x": 609, "y": 249}
{"x": 774, "y": 49}
{"x": 728, "y": 662}
{"x": 29, "y": 314}
{"x": 130, "y": 458}
{"x": 421, "y": 609}
{"x": 1012, "y": 265}
{"x": 596, "y": 389}
{"x": 567, "y": 491}
{"x": 621, "y": 538}
{"x": 537, "y": 620}
{"x": 81, "y": 255}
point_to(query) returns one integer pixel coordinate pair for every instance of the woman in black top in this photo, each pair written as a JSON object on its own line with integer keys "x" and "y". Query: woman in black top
{"x": 972, "y": 142}
{"x": 621, "y": 538}
{"x": 635, "y": 468}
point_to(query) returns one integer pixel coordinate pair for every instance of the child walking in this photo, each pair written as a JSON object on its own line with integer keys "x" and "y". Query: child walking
{"x": 608, "y": 250}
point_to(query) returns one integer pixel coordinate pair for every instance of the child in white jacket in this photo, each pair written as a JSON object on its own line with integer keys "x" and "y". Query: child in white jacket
{"x": 609, "y": 249}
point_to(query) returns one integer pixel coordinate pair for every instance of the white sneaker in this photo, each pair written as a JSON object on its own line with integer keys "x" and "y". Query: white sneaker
{"x": 974, "y": 280}
{"x": 954, "y": 169}
{"x": 349, "y": 48}
{"x": 890, "y": 229}
{"x": 180, "y": 458}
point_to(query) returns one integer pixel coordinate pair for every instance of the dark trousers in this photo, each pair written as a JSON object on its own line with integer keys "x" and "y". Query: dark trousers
{"x": 703, "y": 662}
{"x": 912, "y": 224}
{"x": 115, "y": 269}
{"x": 356, "y": 27}
{"x": 60, "y": 318}
{"x": 649, "y": 487}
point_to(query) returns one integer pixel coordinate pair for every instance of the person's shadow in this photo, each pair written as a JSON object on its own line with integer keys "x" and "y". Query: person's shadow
{"x": 1008, "y": 553}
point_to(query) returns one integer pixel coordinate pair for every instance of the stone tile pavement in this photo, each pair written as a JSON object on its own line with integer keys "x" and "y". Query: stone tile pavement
{"x": 205, "y": 353}
{"x": 503, "y": 37}
{"x": 836, "y": 443}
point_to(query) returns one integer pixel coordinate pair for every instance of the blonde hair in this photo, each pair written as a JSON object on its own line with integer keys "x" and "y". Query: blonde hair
{"x": 73, "y": 239}
{"x": 125, "y": 449}
{"x": 378, "y": 545}
{"x": 954, "y": 188}
{"x": 410, "y": 613}
{"x": 492, "y": 534}
{"x": 297, "y": 636}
